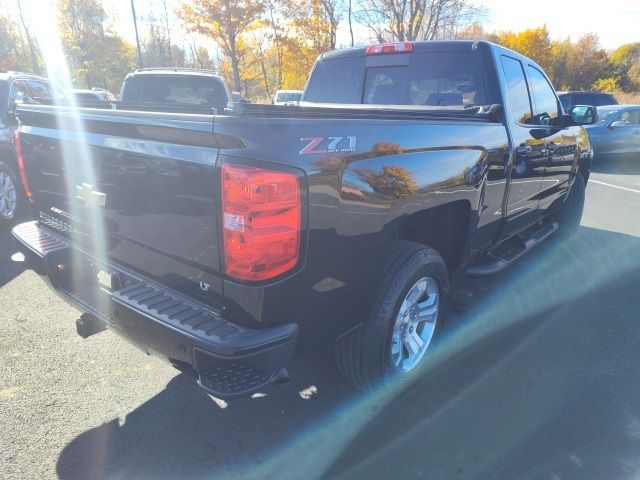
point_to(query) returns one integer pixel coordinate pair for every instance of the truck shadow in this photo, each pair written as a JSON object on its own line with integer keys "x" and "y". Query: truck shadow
{"x": 519, "y": 370}
{"x": 8, "y": 269}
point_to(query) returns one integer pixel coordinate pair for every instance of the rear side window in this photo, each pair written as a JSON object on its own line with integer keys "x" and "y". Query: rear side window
{"x": 430, "y": 78}
{"x": 176, "y": 89}
{"x": 546, "y": 104}
{"x": 518, "y": 102}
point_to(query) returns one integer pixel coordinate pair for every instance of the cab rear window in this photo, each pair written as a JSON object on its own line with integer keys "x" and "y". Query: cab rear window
{"x": 430, "y": 78}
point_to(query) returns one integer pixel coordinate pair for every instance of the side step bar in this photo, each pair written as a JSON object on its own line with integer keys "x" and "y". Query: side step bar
{"x": 513, "y": 253}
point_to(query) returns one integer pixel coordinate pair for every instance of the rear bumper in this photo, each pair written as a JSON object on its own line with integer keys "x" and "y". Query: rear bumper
{"x": 227, "y": 359}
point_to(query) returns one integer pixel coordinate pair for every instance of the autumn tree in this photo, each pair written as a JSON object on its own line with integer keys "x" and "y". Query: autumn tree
{"x": 225, "y": 21}
{"x": 624, "y": 66}
{"x": 14, "y": 52}
{"x": 157, "y": 50}
{"x": 97, "y": 56}
{"x": 33, "y": 51}
{"x": 534, "y": 43}
{"x": 587, "y": 63}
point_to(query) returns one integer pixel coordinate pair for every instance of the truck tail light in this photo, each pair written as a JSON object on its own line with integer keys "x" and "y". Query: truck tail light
{"x": 393, "y": 47}
{"x": 261, "y": 212}
{"x": 23, "y": 172}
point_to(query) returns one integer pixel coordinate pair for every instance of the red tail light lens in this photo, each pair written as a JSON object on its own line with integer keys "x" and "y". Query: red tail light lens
{"x": 23, "y": 172}
{"x": 395, "y": 47}
{"x": 261, "y": 221}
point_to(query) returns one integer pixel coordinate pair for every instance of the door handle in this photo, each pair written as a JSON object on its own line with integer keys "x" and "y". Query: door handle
{"x": 637, "y": 132}
{"x": 522, "y": 150}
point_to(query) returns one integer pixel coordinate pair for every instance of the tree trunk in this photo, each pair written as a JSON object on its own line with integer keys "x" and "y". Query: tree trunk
{"x": 166, "y": 21}
{"x": 350, "y": 24}
{"x": 32, "y": 50}
{"x": 233, "y": 53}
{"x": 276, "y": 38}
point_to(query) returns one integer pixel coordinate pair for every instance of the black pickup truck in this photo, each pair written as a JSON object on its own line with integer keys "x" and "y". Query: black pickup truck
{"x": 231, "y": 242}
{"x": 15, "y": 88}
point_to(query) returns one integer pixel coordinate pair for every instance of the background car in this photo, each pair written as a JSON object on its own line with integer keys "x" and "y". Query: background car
{"x": 94, "y": 94}
{"x": 17, "y": 88}
{"x": 596, "y": 99}
{"x": 616, "y": 134}
{"x": 287, "y": 97}
{"x": 176, "y": 87}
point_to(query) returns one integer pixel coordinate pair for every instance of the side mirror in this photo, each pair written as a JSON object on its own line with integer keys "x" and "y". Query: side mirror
{"x": 617, "y": 124}
{"x": 11, "y": 109}
{"x": 583, "y": 114}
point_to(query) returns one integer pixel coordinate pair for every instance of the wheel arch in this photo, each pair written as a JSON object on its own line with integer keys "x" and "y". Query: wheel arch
{"x": 446, "y": 228}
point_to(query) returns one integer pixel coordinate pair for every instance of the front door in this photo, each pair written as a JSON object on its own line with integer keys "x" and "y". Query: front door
{"x": 560, "y": 145}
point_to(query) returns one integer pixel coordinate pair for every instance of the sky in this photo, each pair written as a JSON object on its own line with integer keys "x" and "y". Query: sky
{"x": 615, "y": 24}
{"x": 615, "y": 21}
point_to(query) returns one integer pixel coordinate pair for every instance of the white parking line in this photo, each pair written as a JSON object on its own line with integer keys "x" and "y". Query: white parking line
{"x": 614, "y": 186}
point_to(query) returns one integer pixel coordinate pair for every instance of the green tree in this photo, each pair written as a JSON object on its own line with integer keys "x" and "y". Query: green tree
{"x": 14, "y": 53}
{"x": 624, "y": 66}
{"x": 157, "y": 50}
{"x": 97, "y": 56}
{"x": 534, "y": 43}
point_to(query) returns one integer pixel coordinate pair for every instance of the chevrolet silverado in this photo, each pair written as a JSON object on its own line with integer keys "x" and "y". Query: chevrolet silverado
{"x": 233, "y": 240}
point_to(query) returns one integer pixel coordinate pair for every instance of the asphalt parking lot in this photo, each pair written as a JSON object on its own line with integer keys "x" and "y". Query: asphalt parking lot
{"x": 537, "y": 377}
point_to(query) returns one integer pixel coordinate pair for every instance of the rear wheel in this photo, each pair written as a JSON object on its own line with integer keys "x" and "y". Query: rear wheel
{"x": 407, "y": 314}
{"x": 10, "y": 198}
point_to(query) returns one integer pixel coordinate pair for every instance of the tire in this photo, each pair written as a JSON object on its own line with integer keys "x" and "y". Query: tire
{"x": 570, "y": 213}
{"x": 366, "y": 357}
{"x": 11, "y": 196}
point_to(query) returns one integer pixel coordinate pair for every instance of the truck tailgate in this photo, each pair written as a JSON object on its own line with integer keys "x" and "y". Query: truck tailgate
{"x": 127, "y": 187}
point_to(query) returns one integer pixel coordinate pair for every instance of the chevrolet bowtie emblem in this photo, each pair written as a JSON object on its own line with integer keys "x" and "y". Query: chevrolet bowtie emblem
{"x": 89, "y": 196}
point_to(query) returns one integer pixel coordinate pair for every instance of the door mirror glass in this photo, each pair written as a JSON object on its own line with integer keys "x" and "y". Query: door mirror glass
{"x": 11, "y": 109}
{"x": 583, "y": 114}
{"x": 618, "y": 124}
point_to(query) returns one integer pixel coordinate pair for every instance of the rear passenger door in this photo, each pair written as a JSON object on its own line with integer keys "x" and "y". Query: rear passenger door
{"x": 560, "y": 145}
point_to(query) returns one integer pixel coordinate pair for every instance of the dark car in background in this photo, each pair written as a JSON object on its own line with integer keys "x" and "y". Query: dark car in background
{"x": 595, "y": 99}
{"x": 93, "y": 94}
{"x": 616, "y": 133}
{"x": 16, "y": 88}
{"x": 176, "y": 87}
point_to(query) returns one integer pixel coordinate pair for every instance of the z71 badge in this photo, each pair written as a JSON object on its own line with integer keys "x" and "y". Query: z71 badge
{"x": 330, "y": 144}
